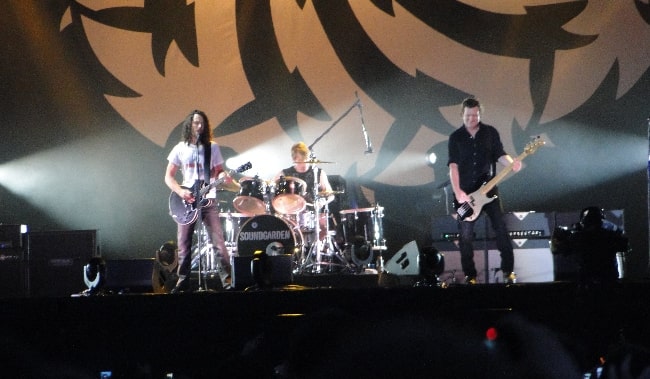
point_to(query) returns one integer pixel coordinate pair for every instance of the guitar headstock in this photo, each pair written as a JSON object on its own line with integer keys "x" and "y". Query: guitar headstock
{"x": 245, "y": 167}
{"x": 533, "y": 145}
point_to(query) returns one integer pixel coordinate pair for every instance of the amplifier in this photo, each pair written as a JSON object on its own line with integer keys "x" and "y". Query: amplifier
{"x": 616, "y": 216}
{"x": 520, "y": 225}
{"x": 532, "y": 264}
{"x": 279, "y": 265}
{"x": 56, "y": 260}
{"x": 129, "y": 275}
{"x": 11, "y": 236}
{"x": 529, "y": 224}
{"x": 12, "y": 273}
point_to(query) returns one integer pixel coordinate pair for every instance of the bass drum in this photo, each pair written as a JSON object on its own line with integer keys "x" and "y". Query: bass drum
{"x": 270, "y": 234}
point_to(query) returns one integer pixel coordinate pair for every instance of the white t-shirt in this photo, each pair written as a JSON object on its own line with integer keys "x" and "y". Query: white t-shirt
{"x": 189, "y": 159}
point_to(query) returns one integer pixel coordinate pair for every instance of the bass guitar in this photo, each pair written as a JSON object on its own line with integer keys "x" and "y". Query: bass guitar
{"x": 184, "y": 212}
{"x": 469, "y": 211}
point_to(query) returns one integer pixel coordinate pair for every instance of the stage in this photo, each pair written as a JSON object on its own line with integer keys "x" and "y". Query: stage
{"x": 339, "y": 323}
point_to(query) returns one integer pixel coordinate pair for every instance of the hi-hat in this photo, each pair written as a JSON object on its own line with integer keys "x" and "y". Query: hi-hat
{"x": 329, "y": 193}
{"x": 233, "y": 186}
{"x": 313, "y": 161}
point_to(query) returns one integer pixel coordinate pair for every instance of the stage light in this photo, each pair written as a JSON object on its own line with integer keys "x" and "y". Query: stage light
{"x": 431, "y": 158}
{"x": 432, "y": 265}
{"x": 164, "y": 268}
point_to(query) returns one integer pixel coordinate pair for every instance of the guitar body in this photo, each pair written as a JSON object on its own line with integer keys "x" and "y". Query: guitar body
{"x": 183, "y": 212}
{"x": 471, "y": 210}
{"x": 186, "y": 213}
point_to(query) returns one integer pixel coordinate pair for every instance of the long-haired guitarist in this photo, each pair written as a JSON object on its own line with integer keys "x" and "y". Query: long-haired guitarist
{"x": 189, "y": 156}
{"x": 474, "y": 150}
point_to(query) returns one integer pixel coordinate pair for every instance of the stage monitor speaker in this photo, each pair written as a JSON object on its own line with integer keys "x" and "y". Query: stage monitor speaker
{"x": 56, "y": 260}
{"x": 280, "y": 266}
{"x": 129, "y": 275}
{"x": 405, "y": 261}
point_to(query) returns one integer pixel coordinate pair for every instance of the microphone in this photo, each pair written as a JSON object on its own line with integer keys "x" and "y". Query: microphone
{"x": 369, "y": 149}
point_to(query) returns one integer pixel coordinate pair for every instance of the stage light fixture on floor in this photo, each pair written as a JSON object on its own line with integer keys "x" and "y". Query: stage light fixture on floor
{"x": 94, "y": 276}
{"x": 432, "y": 265}
{"x": 165, "y": 266}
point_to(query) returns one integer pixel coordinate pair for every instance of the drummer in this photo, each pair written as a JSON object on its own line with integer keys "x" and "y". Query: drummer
{"x": 302, "y": 169}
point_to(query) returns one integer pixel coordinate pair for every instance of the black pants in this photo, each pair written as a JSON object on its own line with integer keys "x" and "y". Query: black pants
{"x": 466, "y": 242}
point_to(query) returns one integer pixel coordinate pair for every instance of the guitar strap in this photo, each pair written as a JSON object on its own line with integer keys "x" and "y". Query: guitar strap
{"x": 207, "y": 164}
{"x": 207, "y": 169}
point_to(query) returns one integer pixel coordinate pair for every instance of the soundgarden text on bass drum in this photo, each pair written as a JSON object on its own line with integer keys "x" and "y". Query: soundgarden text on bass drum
{"x": 470, "y": 210}
{"x": 184, "y": 212}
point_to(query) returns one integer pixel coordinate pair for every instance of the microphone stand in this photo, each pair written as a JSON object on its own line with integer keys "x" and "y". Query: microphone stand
{"x": 334, "y": 124}
{"x": 314, "y": 249}
{"x": 199, "y": 223}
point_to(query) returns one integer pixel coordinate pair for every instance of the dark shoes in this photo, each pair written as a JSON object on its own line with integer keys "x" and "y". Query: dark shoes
{"x": 226, "y": 283}
{"x": 508, "y": 278}
{"x": 183, "y": 285}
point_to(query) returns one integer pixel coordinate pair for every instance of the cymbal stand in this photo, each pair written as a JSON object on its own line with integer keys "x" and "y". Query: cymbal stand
{"x": 314, "y": 251}
{"x": 318, "y": 246}
{"x": 328, "y": 245}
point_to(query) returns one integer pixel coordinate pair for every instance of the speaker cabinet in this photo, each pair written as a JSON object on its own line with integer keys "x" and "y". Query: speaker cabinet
{"x": 56, "y": 259}
{"x": 533, "y": 263}
{"x": 129, "y": 275}
{"x": 11, "y": 237}
{"x": 279, "y": 266}
{"x": 12, "y": 273}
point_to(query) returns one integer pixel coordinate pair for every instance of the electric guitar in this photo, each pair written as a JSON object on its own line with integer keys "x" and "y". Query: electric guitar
{"x": 184, "y": 212}
{"x": 469, "y": 211}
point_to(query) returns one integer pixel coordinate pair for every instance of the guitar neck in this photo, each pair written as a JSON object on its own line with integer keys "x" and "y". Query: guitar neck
{"x": 501, "y": 175}
{"x": 207, "y": 188}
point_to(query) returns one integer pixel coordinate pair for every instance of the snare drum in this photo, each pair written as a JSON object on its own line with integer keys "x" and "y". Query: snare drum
{"x": 364, "y": 224}
{"x": 250, "y": 199}
{"x": 270, "y": 234}
{"x": 289, "y": 195}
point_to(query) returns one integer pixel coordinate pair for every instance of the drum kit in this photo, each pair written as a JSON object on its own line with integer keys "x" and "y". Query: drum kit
{"x": 277, "y": 218}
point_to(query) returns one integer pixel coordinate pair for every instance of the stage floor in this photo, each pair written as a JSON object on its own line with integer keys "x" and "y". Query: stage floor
{"x": 320, "y": 322}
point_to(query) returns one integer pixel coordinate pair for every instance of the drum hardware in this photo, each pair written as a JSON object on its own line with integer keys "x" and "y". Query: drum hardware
{"x": 364, "y": 236}
{"x": 321, "y": 247}
{"x": 231, "y": 225}
{"x": 203, "y": 253}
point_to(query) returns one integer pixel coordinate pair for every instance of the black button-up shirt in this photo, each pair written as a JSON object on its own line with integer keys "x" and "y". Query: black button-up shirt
{"x": 476, "y": 156}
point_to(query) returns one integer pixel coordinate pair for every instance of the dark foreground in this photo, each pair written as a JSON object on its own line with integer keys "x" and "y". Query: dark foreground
{"x": 328, "y": 326}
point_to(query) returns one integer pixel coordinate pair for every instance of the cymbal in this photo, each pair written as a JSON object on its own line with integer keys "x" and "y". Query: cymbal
{"x": 313, "y": 161}
{"x": 233, "y": 186}
{"x": 329, "y": 193}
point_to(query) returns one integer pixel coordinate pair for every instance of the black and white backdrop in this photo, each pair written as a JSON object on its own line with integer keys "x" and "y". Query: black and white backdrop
{"x": 93, "y": 93}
